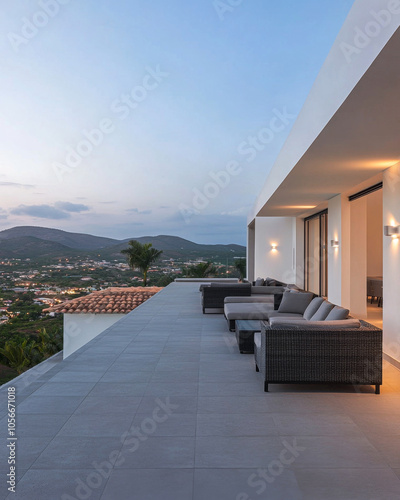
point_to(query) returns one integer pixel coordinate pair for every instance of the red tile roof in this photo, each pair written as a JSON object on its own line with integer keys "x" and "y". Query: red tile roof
{"x": 109, "y": 301}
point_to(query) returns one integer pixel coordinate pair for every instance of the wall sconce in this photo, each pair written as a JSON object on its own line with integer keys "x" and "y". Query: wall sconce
{"x": 393, "y": 231}
{"x": 274, "y": 247}
{"x": 335, "y": 243}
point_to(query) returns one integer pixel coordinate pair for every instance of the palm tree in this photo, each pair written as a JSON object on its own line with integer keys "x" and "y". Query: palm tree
{"x": 201, "y": 270}
{"x": 141, "y": 257}
{"x": 50, "y": 343}
{"x": 19, "y": 356}
{"x": 240, "y": 265}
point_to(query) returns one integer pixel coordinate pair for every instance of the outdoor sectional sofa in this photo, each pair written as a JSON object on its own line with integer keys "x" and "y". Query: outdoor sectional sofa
{"x": 213, "y": 295}
{"x": 262, "y": 302}
{"x": 313, "y": 341}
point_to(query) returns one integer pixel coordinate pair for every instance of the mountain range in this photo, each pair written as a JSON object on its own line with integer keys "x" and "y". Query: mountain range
{"x": 39, "y": 243}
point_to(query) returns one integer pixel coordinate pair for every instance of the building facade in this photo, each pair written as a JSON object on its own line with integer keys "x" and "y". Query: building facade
{"x": 327, "y": 216}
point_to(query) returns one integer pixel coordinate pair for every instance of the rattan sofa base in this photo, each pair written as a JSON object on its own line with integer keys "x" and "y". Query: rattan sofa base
{"x": 288, "y": 356}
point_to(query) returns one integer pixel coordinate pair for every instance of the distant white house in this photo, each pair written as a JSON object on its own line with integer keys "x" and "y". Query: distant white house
{"x": 88, "y": 316}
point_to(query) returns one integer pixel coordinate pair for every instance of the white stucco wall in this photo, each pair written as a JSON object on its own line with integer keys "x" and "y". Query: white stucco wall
{"x": 335, "y": 254}
{"x": 391, "y": 263}
{"x": 79, "y": 329}
{"x": 279, "y": 263}
{"x": 250, "y": 252}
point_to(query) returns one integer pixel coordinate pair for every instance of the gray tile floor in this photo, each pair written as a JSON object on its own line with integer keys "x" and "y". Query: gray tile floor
{"x": 162, "y": 406}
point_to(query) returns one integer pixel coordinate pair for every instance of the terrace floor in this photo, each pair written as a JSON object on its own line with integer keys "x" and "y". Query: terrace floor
{"x": 162, "y": 406}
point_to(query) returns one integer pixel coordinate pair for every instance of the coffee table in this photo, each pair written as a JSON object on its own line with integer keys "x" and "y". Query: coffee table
{"x": 245, "y": 330}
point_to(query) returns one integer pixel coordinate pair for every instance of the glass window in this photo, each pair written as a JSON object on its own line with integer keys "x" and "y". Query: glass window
{"x": 315, "y": 237}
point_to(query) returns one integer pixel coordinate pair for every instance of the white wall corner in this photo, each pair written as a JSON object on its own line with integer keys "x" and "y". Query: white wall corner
{"x": 79, "y": 329}
{"x": 275, "y": 262}
{"x": 391, "y": 264}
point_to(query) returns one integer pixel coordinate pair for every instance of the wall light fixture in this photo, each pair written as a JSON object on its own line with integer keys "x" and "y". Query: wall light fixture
{"x": 393, "y": 231}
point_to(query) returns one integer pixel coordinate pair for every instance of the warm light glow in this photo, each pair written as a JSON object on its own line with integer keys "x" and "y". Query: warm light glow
{"x": 274, "y": 247}
{"x": 374, "y": 164}
{"x": 298, "y": 207}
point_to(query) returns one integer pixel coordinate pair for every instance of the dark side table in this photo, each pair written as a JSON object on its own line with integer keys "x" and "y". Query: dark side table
{"x": 245, "y": 330}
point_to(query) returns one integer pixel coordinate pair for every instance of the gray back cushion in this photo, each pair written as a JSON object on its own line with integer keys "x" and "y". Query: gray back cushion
{"x": 313, "y": 307}
{"x": 337, "y": 313}
{"x": 324, "y": 309}
{"x": 295, "y": 302}
{"x": 259, "y": 282}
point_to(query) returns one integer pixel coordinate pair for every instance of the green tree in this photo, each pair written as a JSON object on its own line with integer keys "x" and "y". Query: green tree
{"x": 240, "y": 265}
{"x": 18, "y": 356}
{"x": 141, "y": 257}
{"x": 201, "y": 270}
{"x": 49, "y": 343}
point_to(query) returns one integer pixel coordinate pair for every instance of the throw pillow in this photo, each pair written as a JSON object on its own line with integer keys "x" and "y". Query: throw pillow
{"x": 295, "y": 302}
{"x": 324, "y": 309}
{"x": 313, "y": 307}
{"x": 337, "y": 313}
{"x": 259, "y": 282}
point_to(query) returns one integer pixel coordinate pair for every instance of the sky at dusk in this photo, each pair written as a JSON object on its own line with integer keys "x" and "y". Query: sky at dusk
{"x": 134, "y": 118}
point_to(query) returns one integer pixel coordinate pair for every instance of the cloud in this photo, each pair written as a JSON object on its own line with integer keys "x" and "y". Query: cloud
{"x": 66, "y": 206}
{"x": 107, "y": 202}
{"x": 137, "y": 211}
{"x": 40, "y": 211}
{"x": 17, "y": 185}
{"x": 238, "y": 211}
{"x": 3, "y": 214}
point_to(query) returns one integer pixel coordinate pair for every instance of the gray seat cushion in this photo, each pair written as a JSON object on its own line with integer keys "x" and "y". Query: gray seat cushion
{"x": 269, "y": 299}
{"x": 313, "y": 307}
{"x": 337, "y": 313}
{"x": 237, "y": 310}
{"x": 295, "y": 302}
{"x": 294, "y": 324}
{"x": 324, "y": 309}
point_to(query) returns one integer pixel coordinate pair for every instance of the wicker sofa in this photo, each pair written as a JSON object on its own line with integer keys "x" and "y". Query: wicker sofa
{"x": 299, "y": 354}
{"x": 311, "y": 340}
{"x": 263, "y": 301}
{"x": 213, "y": 295}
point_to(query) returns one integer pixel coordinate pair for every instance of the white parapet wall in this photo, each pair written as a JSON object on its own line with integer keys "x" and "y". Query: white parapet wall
{"x": 79, "y": 329}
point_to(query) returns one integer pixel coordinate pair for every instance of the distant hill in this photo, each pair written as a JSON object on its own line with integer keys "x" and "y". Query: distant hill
{"x": 174, "y": 247}
{"x": 28, "y": 247}
{"x": 38, "y": 242}
{"x": 71, "y": 240}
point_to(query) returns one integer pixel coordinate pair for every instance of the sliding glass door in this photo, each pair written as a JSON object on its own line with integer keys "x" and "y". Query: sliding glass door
{"x": 315, "y": 239}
